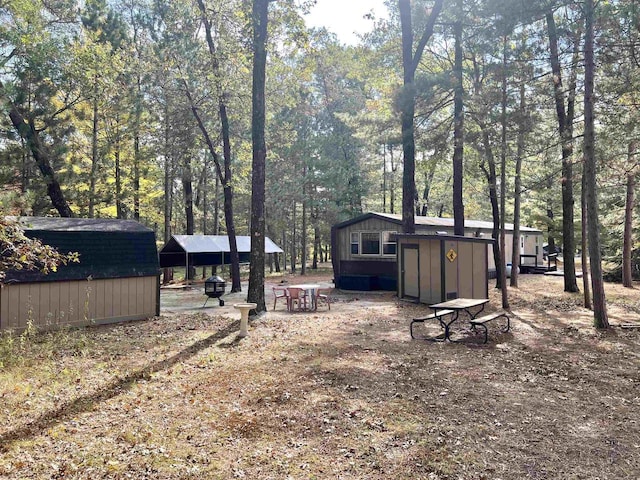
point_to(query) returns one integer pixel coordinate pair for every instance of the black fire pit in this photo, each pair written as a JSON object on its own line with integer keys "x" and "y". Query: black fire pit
{"x": 214, "y": 288}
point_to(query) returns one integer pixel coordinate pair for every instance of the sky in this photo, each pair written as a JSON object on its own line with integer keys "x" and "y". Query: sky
{"x": 344, "y": 17}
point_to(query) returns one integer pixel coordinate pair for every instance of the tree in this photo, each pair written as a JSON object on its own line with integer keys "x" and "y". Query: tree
{"x": 600, "y": 316}
{"x": 410, "y": 62}
{"x": 19, "y": 252}
{"x": 260, "y": 13}
{"x": 565, "y": 128}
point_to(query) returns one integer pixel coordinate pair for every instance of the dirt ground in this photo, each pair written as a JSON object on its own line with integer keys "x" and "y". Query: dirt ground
{"x": 342, "y": 393}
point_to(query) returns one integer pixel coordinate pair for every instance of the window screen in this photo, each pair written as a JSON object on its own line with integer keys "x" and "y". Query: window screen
{"x": 355, "y": 243}
{"x": 370, "y": 243}
{"x": 388, "y": 246}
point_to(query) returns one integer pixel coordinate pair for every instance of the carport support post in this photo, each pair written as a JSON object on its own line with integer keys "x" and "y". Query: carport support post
{"x": 186, "y": 268}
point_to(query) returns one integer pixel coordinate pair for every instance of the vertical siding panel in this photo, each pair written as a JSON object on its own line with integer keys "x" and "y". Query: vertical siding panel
{"x": 149, "y": 295}
{"x": 133, "y": 296}
{"x": 4, "y": 307}
{"x": 100, "y": 298}
{"x": 44, "y": 302}
{"x": 116, "y": 298}
{"x": 34, "y": 303}
{"x": 108, "y": 299}
{"x": 25, "y": 309}
{"x": 13, "y": 305}
{"x": 69, "y": 300}
{"x": 479, "y": 271}
{"x": 436, "y": 279}
{"x": 465, "y": 269}
{"x": 54, "y": 304}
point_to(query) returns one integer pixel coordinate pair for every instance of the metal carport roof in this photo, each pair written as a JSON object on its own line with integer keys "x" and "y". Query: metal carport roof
{"x": 207, "y": 250}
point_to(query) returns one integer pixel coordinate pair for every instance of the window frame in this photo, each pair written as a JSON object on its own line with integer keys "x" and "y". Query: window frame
{"x": 356, "y": 243}
{"x": 381, "y": 243}
{"x": 388, "y": 242}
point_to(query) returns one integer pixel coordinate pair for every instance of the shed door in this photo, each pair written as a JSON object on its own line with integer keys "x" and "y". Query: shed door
{"x": 410, "y": 272}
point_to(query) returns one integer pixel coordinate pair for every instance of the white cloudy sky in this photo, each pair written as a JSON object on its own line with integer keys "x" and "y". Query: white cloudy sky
{"x": 345, "y": 17}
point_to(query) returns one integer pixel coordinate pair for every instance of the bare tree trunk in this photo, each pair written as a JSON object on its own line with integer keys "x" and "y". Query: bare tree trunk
{"x": 305, "y": 253}
{"x": 256, "y": 270}
{"x": 294, "y": 241}
{"x": 600, "y": 317}
{"x": 515, "y": 243}
{"x": 585, "y": 243}
{"x": 226, "y": 149}
{"x": 94, "y": 151}
{"x": 168, "y": 189}
{"x": 458, "y": 128}
{"x": 627, "y": 278}
{"x": 136, "y": 152}
{"x": 42, "y": 156}
{"x": 565, "y": 124}
{"x": 490, "y": 173}
{"x": 384, "y": 178}
{"x": 410, "y": 63}
{"x": 503, "y": 174}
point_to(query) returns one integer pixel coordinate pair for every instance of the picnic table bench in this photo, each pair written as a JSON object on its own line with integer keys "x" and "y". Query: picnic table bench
{"x": 434, "y": 316}
{"x": 482, "y": 322}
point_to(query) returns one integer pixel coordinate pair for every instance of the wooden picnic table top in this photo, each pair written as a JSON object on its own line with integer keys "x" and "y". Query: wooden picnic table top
{"x": 461, "y": 303}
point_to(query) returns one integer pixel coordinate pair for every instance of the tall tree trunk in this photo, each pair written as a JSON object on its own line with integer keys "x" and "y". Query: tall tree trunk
{"x": 392, "y": 188}
{"x": 384, "y": 178}
{"x": 627, "y": 278}
{"x": 136, "y": 150}
{"x": 188, "y": 206}
{"x": 585, "y": 244}
{"x": 565, "y": 125}
{"x": 517, "y": 195}
{"x": 120, "y": 213}
{"x": 226, "y": 152}
{"x": 294, "y": 241}
{"x": 503, "y": 174}
{"x": 490, "y": 173}
{"x": 42, "y": 156}
{"x": 256, "y": 269}
{"x": 168, "y": 182}
{"x": 410, "y": 63}
{"x": 458, "y": 128}
{"x": 601, "y": 319}
{"x": 94, "y": 150}
{"x": 317, "y": 253}
{"x": 304, "y": 255}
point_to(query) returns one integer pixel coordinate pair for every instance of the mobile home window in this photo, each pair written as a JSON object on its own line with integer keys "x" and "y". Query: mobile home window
{"x": 388, "y": 245}
{"x": 370, "y": 243}
{"x": 355, "y": 243}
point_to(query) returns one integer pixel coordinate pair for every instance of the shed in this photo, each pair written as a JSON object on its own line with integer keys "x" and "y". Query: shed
{"x": 117, "y": 278}
{"x": 436, "y": 268}
{"x": 364, "y": 253}
{"x": 207, "y": 250}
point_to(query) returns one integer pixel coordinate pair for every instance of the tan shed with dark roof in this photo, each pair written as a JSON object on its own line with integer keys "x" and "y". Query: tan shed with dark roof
{"x": 117, "y": 278}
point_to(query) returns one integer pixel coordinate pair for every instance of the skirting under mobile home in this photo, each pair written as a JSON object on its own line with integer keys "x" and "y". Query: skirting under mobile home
{"x": 117, "y": 278}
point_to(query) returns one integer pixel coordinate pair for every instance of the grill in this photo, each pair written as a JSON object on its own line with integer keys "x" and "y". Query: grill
{"x": 214, "y": 288}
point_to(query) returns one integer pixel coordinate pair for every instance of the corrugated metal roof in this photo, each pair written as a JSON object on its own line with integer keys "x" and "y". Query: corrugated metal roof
{"x": 220, "y": 243}
{"x": 436, "y": 222}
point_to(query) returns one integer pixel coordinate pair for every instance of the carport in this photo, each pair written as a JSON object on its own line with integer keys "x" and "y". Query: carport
{"x": 207, "y": 250}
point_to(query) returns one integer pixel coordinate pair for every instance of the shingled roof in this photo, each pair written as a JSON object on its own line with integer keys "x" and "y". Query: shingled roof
{"x": 108, "y": 248}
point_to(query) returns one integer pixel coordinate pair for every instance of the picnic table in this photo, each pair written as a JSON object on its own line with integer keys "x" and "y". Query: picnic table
{"x": 452, "y": 309}
{"x": 309, "y": 291}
